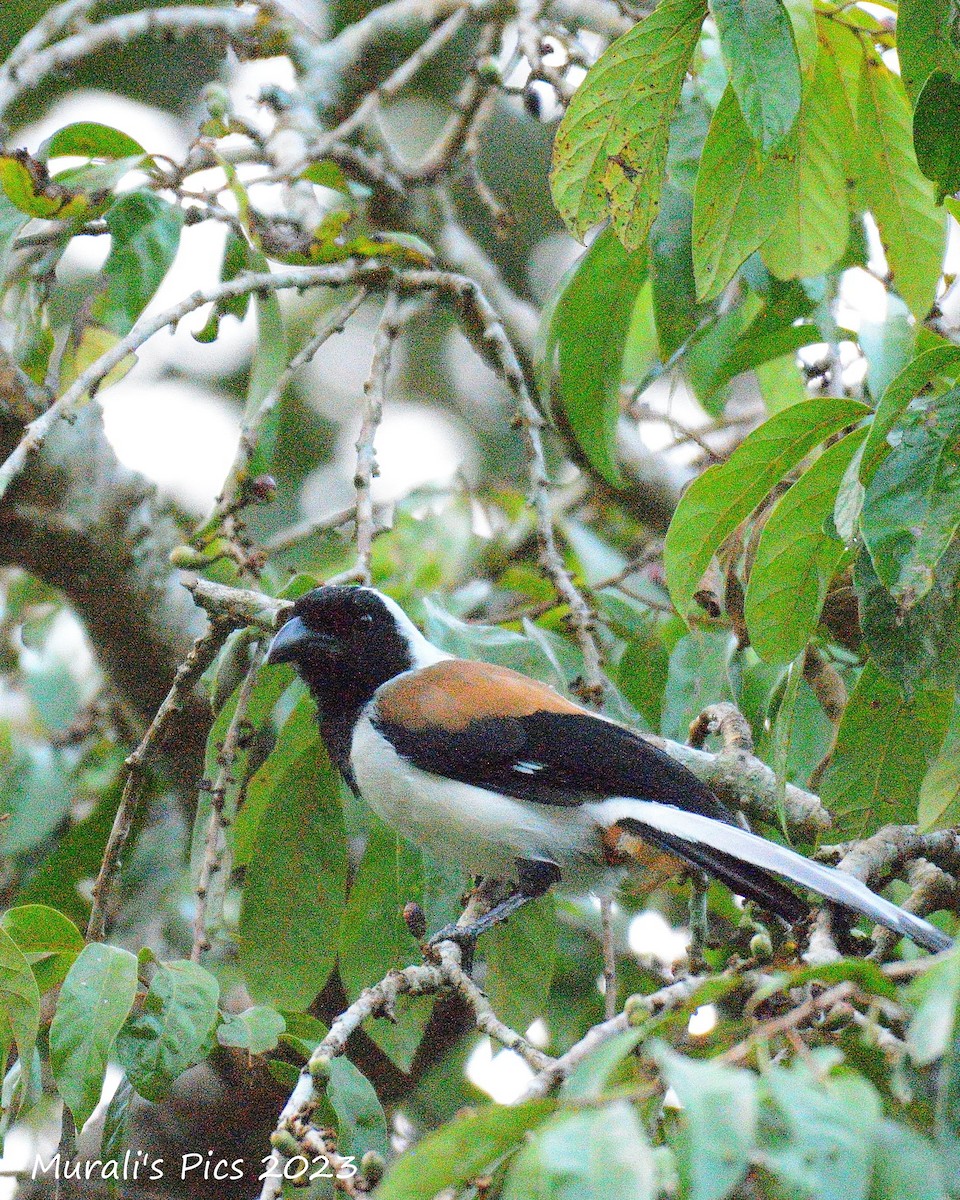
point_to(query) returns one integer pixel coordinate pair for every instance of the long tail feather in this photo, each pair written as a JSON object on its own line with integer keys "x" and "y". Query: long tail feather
{"x": 697, "y": 832}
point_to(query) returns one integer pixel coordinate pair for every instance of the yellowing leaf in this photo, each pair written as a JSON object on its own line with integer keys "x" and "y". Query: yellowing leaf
{"x": 611, "y": 148}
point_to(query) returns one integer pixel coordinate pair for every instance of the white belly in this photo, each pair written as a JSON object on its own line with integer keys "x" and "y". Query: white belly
{"x": 482, "y": 831}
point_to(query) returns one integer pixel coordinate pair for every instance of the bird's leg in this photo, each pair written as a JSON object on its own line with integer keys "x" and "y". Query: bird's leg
{"x": 535, "y": 876}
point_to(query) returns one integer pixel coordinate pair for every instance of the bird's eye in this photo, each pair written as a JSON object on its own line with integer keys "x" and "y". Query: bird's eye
{"x": 366, "y": 617}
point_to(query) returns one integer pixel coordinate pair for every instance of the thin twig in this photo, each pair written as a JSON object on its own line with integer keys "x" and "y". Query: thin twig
{"x": 237, "y": 25}
{"x": 215, "y": 864}
{"x": 201, "y": 655}
{"x": 252, "y": 427}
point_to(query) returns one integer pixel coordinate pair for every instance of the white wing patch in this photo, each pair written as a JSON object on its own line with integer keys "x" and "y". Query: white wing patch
{"x": 527, "y": 768}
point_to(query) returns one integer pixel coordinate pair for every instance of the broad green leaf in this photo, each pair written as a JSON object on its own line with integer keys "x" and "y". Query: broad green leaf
{"x": 936, "y": 132}
{"x": 884, "y": 745}
{"x": 591, "y": 1077}
{"x": 461, "y": 1150}
{"x": 887, "y": 342}
{"x": 374, "y": 939}
{"x": 796, "y": 558}
{"x": 906, "y": 1166}
{"x": 671, "y": 270}
{"x": 901, "y": 199}
{"x": 927, "y": 370}
{"x": 349, "y": 1102}
{"x": 238, "y": 256}
{"x": 698, "y": 674}
{"x": 756, "y": 40}
{"x": 145, "y": 233}
{"x": 817, "y": 1138}
{"x": 642, "y": 675}
{"x": 94, "y": 1001}
{"x": 934, "y": 997}
{"x": 917, "y": 646}
{"x": 255, "y": 1030}
{"x": 295, "y": 887}
{"x": 599, "y": 1154}
{"x": 90, "y": 139}
{"x": 19, "y": 998}
{"x": 361, "y": 1123}
{"x": 50, "y": 942}
{"x": 327, "y": 174}
{"x": 611, "y": 148}
{"x": 811, "y": 233}
{"x": 911, "y": 508}
{"x": 115, "y": 1139}
{"x": 37, "y": 795}
{"x": 739, "y": 196}
{"x": 94, "y": 341}
{"x": 939, "y": 806}
{"x": 584, "y": 340}
{"x": 927, "y": 41}
{"x": 520, "y": 958}
{"x": 28, "y": 186}
{"x": 172, "y": 1031}
{"x": 724, "y": 495}
{"x": 719, "y": 1121}
{"x": 804, "y": 24}
{"x": 760, "y": 343}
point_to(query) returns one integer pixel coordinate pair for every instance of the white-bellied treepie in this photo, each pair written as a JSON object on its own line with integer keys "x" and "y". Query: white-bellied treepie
{"x": 487, "y": 768}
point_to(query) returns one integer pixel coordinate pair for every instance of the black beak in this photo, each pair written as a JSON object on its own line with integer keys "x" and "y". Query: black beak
{"x": 288, "y": 645}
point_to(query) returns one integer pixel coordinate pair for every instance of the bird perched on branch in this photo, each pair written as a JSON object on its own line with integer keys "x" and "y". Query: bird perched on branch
{"x": 485, "y": 767}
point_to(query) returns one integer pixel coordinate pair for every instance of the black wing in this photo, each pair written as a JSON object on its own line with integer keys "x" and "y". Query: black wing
{"x": 570, "y": 758}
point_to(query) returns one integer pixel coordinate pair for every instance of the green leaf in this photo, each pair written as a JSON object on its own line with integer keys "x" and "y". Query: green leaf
{"x": 115, "y": 1139}
{"x": 919, "y": 645}
{"x": 698, "y": 675}
{"x": 642, "y": 675}
{"x": 884, "y": 745}
{"x": 173, "y": 1031}
{"x": 295, "y": 888}
{"x": 724, "y": 495}
{"x": 924, "y": 372}
{"x": 238, "y": 256}
{"x": 756, "y": 41}
{"x": 817, "y": 1137}
{"x": 374, "y": 939}
{"x": 887, "y": 343}
{"x": 94, "y": 1001}
{"x": 811, "y": 233}
{"x": 299, "y": 732}
{"x": 901, "y": 199}
{"x": 145, "y": 233}
{"x": 591, "y": 1076}
{"x": 796, "y": 558}
{"x": 19, "y": 998}
{"x": 927, "y": 41}
{"x": 584, "y": 342}
{"x": 804, "y": 24}
{"x": 934, "y": 997}
{"x": 327, "y": 174}
{"x": 256, "y": 1029}
{"x": 936, "y": 132}
{"x": 739, "y": 196}
{"x": 906, "y": 1166}
{"x": 49, "y": 941}
{"x": 461, "y": 1150}
{"x": 28, "y": 187}
{"x": 719, "y": 1120}
{"x": 362, "y": 1125}
{"x": 520, "y": 956}
{"x": 671, "y": 271}
{"x": 90, "y": 139}
{"x": 591, "y": 1155}
{"x": 939, "y": 806}
{"x": 911, "y": 508}
{"x": 611, "y": 148}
